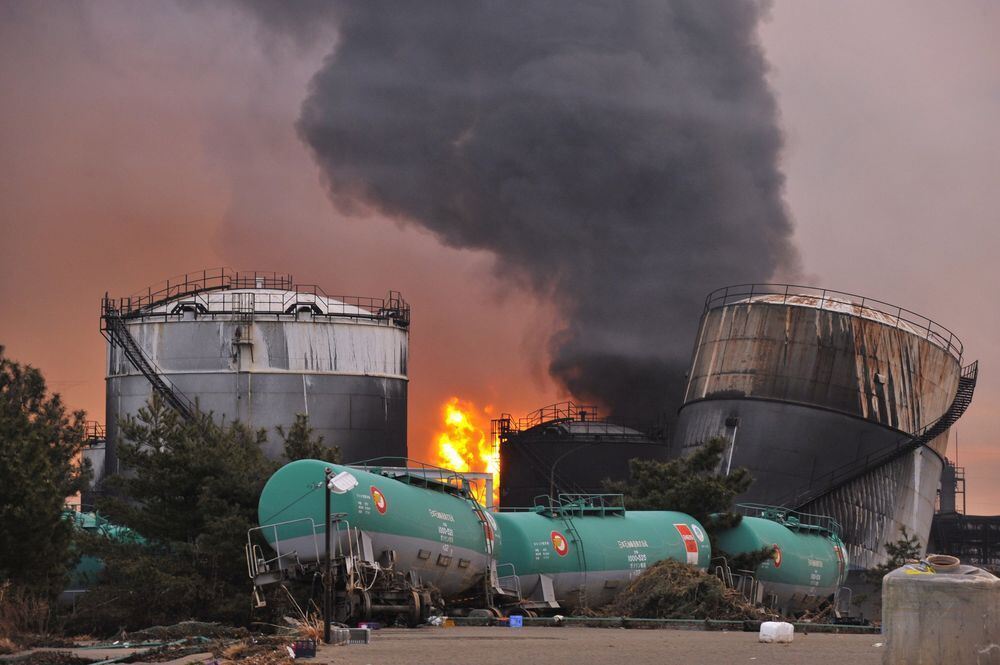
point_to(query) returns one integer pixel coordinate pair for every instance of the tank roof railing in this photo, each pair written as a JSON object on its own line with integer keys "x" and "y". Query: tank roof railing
{"x": 890, "y": 314}
{"x": 93, "y": 432}
{"x": 792, "y": 519}
{"x": 560, "y": 411}
{"x": 220, "y": 279}
{"x": 571, "y": 412}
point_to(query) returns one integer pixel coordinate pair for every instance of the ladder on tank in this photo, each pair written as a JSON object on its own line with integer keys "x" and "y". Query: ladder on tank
{"x": 845, "y": 475}
{"x": 115, "y": 330}
{"x": 581, "y": 556}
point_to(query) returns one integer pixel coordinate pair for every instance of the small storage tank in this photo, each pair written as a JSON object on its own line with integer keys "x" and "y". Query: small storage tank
{"x": 565, "y": 448}
{"x": 809, "y": 564}
{"x": 934, "y": 613}
{"x": 258, "y": 348}
{"x": 582, "y": 553}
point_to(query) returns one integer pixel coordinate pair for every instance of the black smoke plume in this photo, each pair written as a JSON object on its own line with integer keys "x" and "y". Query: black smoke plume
{"x": 620, "y": 158}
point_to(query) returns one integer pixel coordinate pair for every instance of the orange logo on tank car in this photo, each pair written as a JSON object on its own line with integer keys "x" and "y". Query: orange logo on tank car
{"x": 381, "y": 505}
{"x": 559, "y": 543}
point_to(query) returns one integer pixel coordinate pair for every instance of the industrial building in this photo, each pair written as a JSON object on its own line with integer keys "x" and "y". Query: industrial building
{"x": 566, "y": 448}
{"x": 259, "y": 348}
{"x": 975, "y": 539}
{"x": 838, "y": 405}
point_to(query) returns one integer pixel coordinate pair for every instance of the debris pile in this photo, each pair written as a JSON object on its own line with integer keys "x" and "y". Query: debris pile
{"x": 673, "y": 590}
{"x": 186, "y": 629}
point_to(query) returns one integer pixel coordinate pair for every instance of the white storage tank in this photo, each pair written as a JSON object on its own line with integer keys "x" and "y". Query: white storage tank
{"x": 258, "y": 348}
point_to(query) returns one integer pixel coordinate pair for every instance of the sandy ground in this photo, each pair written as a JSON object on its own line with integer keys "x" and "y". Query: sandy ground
{"x": 598, "y": 646}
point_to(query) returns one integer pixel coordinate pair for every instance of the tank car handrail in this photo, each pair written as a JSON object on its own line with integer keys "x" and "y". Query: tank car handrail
{"x": 576, "y": 503}
{"x": 276, "y": 545}
{"x": 444, "y": 479}
{"x": 918, "y": 324}
{"x": 790, "y": 518}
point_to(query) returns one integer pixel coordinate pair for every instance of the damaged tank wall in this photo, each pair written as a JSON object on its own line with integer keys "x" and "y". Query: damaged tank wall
{"x": 801, "y": 389}
{"x": 876, "y": 507}
{"x": 830, "y": 358}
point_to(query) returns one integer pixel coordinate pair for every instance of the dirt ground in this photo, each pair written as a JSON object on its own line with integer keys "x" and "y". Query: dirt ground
{"x": 598, "y": 646}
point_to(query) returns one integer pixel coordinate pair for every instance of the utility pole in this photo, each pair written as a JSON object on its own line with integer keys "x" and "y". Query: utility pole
{"x": 327, "y": 573}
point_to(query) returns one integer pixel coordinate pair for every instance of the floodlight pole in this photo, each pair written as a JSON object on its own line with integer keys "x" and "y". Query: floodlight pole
{"x": 327, "y": 576}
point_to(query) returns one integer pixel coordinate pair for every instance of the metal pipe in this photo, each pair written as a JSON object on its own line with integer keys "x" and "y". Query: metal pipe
{"x": 327, "y": 576}
{"x": 735, "y": 423}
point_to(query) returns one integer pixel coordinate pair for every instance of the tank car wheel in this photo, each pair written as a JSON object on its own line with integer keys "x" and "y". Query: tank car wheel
{"x": 414, "y": 620}
{"x": 361, "y": 605}
{"x": 494, "y": 612}
{"x": 426, "y": 605}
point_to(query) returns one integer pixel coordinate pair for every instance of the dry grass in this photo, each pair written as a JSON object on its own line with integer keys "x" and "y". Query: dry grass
{"x": 311, "y": 628}
{"x": 22, "y": 613}
{"x": 7, "y": 646}
{"x": 234, "y": 651}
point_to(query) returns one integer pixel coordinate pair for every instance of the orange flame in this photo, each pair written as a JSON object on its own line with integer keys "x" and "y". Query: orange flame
{"x": 464, "y": 445}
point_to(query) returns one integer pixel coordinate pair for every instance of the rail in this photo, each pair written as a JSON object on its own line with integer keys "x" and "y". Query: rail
{"x": 304, "y": 299}
{"x": 828, "y": 299}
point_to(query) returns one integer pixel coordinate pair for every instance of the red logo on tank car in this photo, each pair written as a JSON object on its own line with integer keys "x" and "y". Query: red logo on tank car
{"x": 381, "y": 505}
{"x": 559, "y": 543}
{"x": 776, "y": 555}
{"x": 690, "y": 544}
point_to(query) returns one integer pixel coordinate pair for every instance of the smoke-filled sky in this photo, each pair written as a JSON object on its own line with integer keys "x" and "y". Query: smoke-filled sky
{"x": 553, "y": 188}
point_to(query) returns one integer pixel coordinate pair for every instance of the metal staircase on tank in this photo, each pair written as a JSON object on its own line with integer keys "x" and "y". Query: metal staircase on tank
{"x": 115, "y": 330}
{"x": 839, "y": 478}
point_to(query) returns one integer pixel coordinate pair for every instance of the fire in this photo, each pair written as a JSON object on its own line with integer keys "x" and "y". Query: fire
{"x": 464, "y": 445}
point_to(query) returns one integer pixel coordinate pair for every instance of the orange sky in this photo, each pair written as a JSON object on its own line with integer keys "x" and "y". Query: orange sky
{"x": 142, "y": 140}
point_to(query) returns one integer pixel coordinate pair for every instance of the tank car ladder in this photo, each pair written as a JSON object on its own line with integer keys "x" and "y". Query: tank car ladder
{"x": 581, "y": 555}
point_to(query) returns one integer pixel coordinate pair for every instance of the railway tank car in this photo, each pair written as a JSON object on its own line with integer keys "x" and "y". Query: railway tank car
{"x": 405, "y": 539}
{"x": 809, "y": 561}
{"x": 399, "y": 538}
{"x": 581, "y": 552}
{"x": 432, "y": 529}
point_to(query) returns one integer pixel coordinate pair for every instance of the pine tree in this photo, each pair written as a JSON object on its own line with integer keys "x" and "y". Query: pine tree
{"x": 190, "y": 489}
{"x": 301, "y": 442}
{"x": 692, "y": 485}
{"x": 40, "y": 468}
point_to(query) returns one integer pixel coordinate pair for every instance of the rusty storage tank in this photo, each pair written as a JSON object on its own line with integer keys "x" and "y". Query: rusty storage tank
{"x": 565, "y": 448}
{"x": 838, "y": 404}
{"x": 258, "y": 348}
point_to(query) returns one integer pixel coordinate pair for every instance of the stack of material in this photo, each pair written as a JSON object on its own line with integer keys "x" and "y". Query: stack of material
{"x": 673, "y": 590}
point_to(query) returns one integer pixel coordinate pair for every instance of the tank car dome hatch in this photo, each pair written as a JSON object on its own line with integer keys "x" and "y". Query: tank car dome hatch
{"x": 838, "y": 404}
{"x": 566, "y": 448}
{"x": 259, "y": 348}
